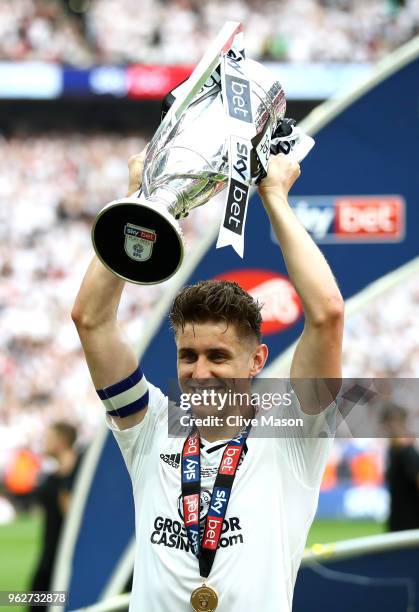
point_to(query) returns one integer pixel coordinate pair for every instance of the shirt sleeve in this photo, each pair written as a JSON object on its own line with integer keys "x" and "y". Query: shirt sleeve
{"x": 135, "y": 443}
{"x": 306, "y": 445}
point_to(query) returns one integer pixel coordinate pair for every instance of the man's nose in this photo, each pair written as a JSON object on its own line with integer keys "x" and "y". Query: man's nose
{"x": 201, "y": 368}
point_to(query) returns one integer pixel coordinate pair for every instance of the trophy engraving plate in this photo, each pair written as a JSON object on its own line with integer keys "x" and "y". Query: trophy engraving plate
{"x": 139, "y": 242}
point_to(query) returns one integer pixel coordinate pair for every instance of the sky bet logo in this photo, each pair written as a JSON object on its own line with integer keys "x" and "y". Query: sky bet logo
{"x": 238, "y": 190}
{"x": 190, "y": 468}
{"x": 345, "y": 219}
{"x": 238, "y": 98}
{"x": 212, "y": 532}
{"x": 237, "y": 89}
{"x": 241, "y": 161}
{"x": 220, "y": 498}
{"x": 229, "y": 462}
{"x": 191, "y": 509}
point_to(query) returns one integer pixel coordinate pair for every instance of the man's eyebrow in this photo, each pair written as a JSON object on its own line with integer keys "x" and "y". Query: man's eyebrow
{"x": 220, "y": 349}
{"x": 213, "y": 349}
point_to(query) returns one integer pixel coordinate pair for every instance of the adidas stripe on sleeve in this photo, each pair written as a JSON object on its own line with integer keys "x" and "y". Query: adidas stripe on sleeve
{"x": 127, "y": 396}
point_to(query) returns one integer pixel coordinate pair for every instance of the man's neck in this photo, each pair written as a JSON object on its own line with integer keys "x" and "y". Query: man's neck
{"x": 215, "y": 434}
{"x": 225, "y": 424}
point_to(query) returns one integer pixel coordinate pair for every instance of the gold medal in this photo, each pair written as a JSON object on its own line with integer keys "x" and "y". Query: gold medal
{"x": 204, "y": 599}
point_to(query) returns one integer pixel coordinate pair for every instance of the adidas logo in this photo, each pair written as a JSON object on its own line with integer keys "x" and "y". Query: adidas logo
{"x": 173, "y": 460}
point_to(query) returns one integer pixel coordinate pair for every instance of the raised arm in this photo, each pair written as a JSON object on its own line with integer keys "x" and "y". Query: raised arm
{"x": 319, "y": 349}
{"x": 109, "y": 354}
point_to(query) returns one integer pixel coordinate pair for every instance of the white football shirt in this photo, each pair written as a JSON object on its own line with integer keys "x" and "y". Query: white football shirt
{"x": 271, "y": 508}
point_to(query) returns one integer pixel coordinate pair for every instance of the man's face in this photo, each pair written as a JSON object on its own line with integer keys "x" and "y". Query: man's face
{"x": 212, "y": 355}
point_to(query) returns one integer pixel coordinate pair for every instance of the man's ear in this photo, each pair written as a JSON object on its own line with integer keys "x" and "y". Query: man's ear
{"x": 260, "y": 356}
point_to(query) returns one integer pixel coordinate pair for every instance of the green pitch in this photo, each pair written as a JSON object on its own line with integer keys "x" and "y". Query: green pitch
{"x": 20, "y": 542}
{"x": 19, "y": 549}
{"x": 323, "y": 531}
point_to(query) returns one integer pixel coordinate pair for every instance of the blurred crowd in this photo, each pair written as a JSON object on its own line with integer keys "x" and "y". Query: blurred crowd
{"x": 51, "y": 187}
{"x": 391, "y": 320}
{"x": 84, "y": 32}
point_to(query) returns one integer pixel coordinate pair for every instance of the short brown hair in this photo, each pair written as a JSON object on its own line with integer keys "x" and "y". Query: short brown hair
{"x": 217, "y": 300}
{"x": 67, "y": 431}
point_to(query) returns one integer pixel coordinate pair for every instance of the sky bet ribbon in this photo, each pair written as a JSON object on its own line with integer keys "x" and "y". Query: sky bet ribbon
{"x": 236, "y": 91}
{"x": 191, "y": 494}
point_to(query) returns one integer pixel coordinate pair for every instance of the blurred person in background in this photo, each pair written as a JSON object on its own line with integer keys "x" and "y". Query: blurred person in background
{"x": 21, "y": 477}
{"x": 402, "y": 470}
{"x": 54, "y": 496}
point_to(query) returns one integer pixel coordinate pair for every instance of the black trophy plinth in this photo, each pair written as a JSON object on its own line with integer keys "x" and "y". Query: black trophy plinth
{"x": 140, "y": 241}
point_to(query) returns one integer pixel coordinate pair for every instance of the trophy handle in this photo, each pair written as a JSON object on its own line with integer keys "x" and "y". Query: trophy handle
{"x": 138, "y": 240}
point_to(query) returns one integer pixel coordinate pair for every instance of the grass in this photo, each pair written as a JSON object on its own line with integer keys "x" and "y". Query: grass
{"x": 19, "y": 549}
{"x": 20, "y": 542}
{"x": 323, "y": 531}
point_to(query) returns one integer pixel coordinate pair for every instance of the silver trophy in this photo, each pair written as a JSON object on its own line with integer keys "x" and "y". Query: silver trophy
{"x": 216, "y": 133}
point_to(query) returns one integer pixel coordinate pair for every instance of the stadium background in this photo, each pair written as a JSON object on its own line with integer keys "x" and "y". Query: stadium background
{"x": 80, "y": 88}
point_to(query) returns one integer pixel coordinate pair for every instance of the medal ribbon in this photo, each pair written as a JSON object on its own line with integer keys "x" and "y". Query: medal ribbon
{"x": 191, "y": 495}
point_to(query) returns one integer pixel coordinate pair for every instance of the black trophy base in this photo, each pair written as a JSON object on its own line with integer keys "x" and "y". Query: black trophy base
{"x": 138, "y": 240}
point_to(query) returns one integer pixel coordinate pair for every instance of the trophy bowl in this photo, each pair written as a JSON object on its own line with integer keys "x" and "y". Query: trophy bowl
{"x": 187, "y": 163}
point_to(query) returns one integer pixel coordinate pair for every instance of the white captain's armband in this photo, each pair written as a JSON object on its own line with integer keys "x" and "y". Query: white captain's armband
{"x": 126, "y": 396}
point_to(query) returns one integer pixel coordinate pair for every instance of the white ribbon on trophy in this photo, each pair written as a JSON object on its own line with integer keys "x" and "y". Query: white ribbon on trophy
{"x": 238, "y": 107}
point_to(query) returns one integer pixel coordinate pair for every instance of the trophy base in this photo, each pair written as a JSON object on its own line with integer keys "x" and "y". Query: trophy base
{"x": 138, "y": 240}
